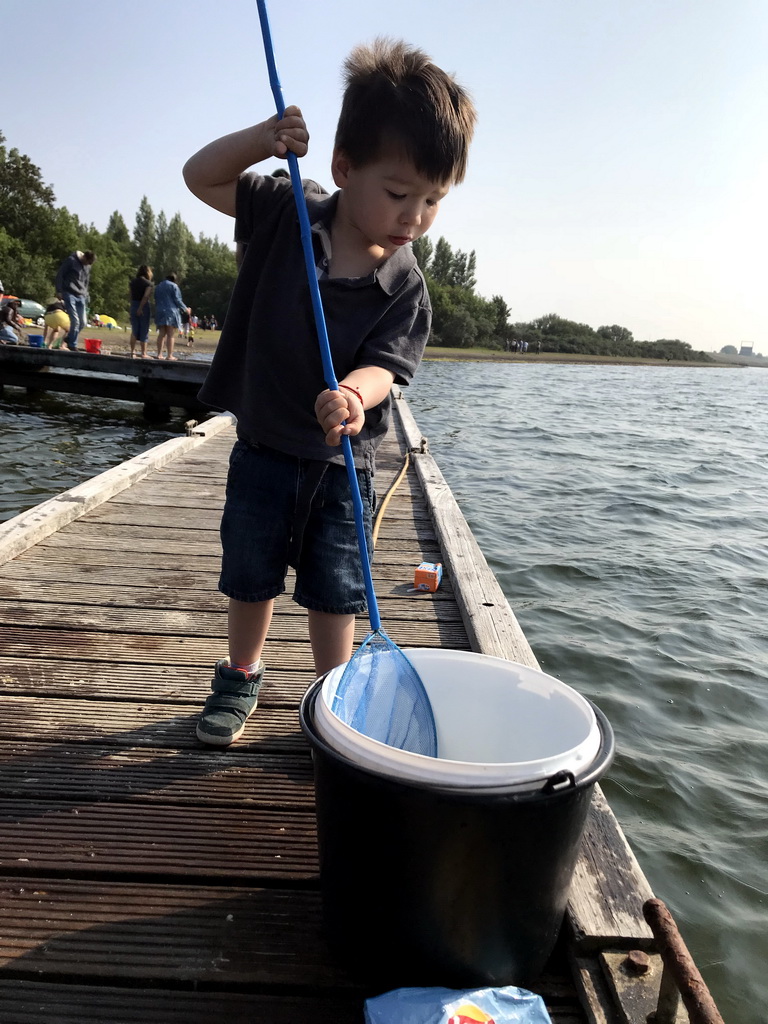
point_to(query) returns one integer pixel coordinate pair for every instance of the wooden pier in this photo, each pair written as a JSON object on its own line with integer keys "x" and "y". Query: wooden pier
{"x": 146, "y": 878}
{"x": 158, "y": 384}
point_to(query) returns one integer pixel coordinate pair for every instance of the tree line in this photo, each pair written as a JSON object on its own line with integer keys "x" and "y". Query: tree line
{"x": 463, "y": 319}
{"x": 36, "y": 234}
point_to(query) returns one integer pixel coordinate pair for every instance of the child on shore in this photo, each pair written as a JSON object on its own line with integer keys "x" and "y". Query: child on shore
{"x": 401, "y": 143}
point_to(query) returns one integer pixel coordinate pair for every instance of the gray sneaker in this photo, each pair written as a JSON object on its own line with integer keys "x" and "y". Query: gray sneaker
{"x": 230, "y": 705}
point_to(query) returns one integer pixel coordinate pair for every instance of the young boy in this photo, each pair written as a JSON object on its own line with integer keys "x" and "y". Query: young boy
{"x": 401, "y": 142}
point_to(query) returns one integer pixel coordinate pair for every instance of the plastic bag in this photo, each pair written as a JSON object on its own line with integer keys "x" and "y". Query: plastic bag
{"x": 509, "y": 1005}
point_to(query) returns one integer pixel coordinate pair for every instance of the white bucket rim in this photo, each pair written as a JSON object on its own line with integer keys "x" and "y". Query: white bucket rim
{"x": 508, "y": 775}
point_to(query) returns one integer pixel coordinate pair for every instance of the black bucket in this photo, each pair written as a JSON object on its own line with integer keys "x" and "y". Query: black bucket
{"x": 432, "y": 885}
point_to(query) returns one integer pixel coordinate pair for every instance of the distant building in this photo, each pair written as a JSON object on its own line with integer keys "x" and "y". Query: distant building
{"x": 746, "y": 350}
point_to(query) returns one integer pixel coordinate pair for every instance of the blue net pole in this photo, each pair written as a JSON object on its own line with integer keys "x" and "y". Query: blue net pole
{"x": 317, "y": 307}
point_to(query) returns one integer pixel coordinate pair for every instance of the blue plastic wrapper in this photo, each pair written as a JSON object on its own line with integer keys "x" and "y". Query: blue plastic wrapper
{"x": 509, "y": 1005}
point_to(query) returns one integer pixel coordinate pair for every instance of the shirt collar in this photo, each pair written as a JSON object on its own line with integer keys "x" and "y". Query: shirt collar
{"x": 393, "y": 273}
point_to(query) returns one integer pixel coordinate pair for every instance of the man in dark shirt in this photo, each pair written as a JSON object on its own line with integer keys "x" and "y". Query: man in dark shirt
{"x": 72, "y": 286}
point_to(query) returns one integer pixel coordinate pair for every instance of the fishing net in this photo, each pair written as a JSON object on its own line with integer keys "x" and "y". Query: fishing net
{"x": 382, "y": 696}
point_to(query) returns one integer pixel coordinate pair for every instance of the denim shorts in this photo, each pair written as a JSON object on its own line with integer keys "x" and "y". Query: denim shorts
{"x": 281, "y": 510}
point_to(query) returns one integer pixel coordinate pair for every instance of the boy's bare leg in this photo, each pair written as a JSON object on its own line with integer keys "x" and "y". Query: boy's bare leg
{"x": 234, "y": 699}
{"x": 332, "y": 637}
{"x": 248, "y": 624}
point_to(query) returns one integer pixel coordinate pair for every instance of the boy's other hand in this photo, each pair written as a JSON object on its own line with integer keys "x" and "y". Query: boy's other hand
{"x": 290, "y": 133}
{"x": 332, "y": 409}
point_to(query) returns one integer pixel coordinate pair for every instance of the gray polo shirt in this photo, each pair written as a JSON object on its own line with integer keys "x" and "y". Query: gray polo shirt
{"x": 267, "y": 368}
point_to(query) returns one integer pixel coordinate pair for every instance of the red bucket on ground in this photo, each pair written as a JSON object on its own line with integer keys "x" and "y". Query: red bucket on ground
{"x": 92, "y": 344}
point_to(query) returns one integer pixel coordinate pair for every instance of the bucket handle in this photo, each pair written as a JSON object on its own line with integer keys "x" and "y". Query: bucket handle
{"x": 559, "y": 782}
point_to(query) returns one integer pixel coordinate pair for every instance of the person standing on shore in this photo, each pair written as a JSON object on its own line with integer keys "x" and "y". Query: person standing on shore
{"x": 72, "y": 286}
{"x": 141, "y": 289}
{"x": 169, "y": 306}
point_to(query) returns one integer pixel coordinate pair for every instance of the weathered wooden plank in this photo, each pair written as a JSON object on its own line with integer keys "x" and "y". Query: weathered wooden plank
{"x": 161, "y": 684}
{"x": 182, "y": 560}
{"x": 36, "y": 1002}
{"x": 144, "y": 649}
{"x": 182, "y": 370}
{"x": 244, "y": 775}
{"x": 157, "y": 493}
{"x": 396, "y": 600}
{"x": 145, "y": 840}
{"x": 127, "y": 724}
{"x": 173, "y": 570}
{"x": 205, "y": 506}
{"x": 609, "y": 889}
{"x": 590, "y": 984}
{"x": 399, "y": 521}
{"x": 167, "y": 933}
{"x": 488, "y": 618}
{"x": 48, "y": 554}
{"x": 35, "y": 569}
{"x": 159, "y": 543}
{"x": 94, "y": 633}
{"x": 197, "y": 623}
{"x": 160, "y": 537}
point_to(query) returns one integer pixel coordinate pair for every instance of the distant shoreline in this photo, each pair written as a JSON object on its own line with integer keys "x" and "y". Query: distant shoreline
{"x": 117, "y": 341}
{"x": 436, "y": 354}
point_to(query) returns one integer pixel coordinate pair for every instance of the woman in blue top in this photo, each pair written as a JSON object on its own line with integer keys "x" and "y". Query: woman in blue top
{"x": 169, "y": 306}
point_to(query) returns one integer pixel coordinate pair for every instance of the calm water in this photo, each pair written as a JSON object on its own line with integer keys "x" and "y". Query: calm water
{"x": 625, "y": 513}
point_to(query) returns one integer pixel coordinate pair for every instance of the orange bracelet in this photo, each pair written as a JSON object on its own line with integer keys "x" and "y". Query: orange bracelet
{"x": 355, "y": 392}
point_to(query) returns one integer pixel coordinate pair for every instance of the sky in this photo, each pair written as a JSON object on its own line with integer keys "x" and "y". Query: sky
{"x": 619, "y": 170}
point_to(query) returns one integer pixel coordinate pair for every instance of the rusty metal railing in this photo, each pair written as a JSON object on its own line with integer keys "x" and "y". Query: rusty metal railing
{"x": 681, "y": 978}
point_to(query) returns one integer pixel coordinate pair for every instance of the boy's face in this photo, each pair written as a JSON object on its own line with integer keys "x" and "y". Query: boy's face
{"x": 388, "y": 202}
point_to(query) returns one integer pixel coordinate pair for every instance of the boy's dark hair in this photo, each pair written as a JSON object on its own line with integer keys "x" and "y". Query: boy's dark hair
{"x": 395, "y": 95}
{"x": 89, "y": 256}
{"x": 170, "y": 277}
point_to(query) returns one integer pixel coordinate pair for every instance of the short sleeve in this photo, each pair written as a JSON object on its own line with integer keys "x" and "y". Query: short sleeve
{"x": 397, "y": 343}
{"x": 262, "y": 198}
